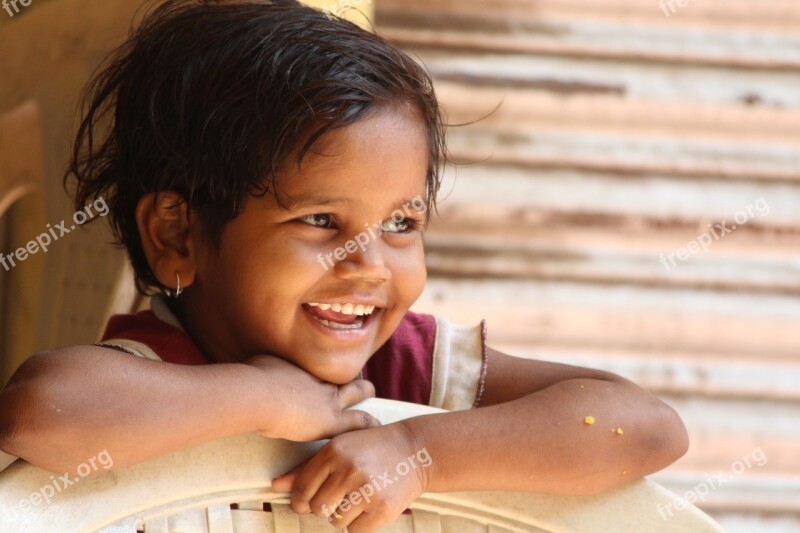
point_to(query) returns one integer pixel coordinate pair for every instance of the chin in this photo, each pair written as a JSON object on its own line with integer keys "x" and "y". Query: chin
{"x": 338, "y": 376}
{"x": 340, "y": 379}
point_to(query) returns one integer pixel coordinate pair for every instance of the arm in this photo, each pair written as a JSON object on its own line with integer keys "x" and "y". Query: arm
{"x": 529, "y": 433}
{"x": 65, "y": 406}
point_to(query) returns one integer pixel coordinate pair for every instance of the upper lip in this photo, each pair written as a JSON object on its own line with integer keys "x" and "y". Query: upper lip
{"x": 349, "y": 300}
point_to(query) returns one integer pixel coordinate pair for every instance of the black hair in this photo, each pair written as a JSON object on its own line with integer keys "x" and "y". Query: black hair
{"x": 210, "y": 98}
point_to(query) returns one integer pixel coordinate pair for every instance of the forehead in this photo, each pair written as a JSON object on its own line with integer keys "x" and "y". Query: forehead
{"x": 383, "y": 154}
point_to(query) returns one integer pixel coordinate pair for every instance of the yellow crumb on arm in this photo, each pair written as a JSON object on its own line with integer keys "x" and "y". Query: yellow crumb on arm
{"x": 588, "y": 420}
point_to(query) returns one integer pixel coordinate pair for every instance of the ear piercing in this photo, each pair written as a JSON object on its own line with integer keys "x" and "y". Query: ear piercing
{"x": 177, "y": 292}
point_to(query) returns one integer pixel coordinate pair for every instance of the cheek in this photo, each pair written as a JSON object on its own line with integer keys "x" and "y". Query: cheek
{"x": 410, "y": 275}
{"x": 278, "y": 262}
{"x": 276, "y": 281}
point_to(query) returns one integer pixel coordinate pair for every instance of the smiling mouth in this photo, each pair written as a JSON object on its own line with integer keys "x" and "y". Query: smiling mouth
{"x": 342, "y": 316}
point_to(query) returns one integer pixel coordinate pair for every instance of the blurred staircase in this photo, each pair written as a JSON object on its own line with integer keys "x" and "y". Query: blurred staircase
{"x": 623, "y": 134}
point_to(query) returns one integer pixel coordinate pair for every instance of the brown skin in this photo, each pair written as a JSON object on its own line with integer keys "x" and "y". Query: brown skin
{"x": 536, "y": 442}
{"x": 246, "y": 297}
{"x": 247, "y": 300}
{"x": 45, "y": 422}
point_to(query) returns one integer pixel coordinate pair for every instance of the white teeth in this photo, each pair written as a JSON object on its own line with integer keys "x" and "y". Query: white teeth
{"x": 335, "y": 325}
{"x": 346, "y": 309}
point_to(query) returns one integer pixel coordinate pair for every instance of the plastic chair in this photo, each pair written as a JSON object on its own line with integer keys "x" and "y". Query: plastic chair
{"x": 22, "y": 199}
{"x": 190, "y": 491}
{"x": 64, "y": 296}
{"x": 50, "y": 51}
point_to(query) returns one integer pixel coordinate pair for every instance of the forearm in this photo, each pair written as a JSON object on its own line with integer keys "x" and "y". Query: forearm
{"x": 137, "y": 410}
{"x": 540, "y": 442}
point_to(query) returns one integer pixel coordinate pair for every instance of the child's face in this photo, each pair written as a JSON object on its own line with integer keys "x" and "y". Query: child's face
{"x": 252, "y": 297}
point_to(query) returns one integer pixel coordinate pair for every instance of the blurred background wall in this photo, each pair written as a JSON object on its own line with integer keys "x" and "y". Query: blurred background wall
{"x": 48, "y": 50}
{"x": 623, "y": 131}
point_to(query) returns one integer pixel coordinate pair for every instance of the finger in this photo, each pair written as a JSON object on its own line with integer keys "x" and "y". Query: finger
{"x": 369, "y": 522}
{"x": 326, "y": 503}
{"x": 344, "y": 515}
{"x": 307, "y": 482}
{"x": 354, "y": 392}
{"x": 353, "y": 420}
{"x": 285, "y": 481}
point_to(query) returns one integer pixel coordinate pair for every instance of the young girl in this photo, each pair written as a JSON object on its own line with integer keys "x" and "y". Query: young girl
{"x": 270, "y": 170}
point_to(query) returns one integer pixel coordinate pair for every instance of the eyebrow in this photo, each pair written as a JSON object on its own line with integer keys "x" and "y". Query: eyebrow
{"x": 313, "y": 201}
{"x": 410, "y": 202}
{"x": 309, "y": 201}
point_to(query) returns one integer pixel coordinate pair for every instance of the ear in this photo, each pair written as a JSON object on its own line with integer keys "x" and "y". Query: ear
{"x": 164, "y": 228}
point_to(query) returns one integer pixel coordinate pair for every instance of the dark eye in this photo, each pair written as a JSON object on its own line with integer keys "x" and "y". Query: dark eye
{"x": 404, "y": 225}
{"x": 317, "y": 220}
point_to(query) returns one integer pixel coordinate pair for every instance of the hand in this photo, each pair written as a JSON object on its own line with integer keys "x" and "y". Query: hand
{"x": 306, "y": 408}
{"x": 360, "y": 480}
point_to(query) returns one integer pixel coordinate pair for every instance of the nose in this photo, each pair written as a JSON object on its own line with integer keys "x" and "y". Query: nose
{"x": 366, "y": 263}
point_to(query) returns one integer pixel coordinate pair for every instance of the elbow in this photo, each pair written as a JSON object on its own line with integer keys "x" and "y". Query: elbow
{"x": 9, "y": 441}
{"x": 677, "y": 442}
{"x": 11, "y": 427}
{"x": 669, "y": 439}
{"x": 18, "y": 403}
{"x": 681, "y": 445}
{"x": 664, "y": 437}
{"x": 20, "y": 438}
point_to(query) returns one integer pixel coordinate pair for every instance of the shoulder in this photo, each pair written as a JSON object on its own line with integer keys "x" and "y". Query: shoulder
{"x": 459, "y": 365}
{"x": 431, "y": 361}
{"x": 154, "y": 334}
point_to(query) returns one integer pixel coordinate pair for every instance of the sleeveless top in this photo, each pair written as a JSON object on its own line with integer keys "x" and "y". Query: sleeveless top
{"x": 427, "y": 360}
